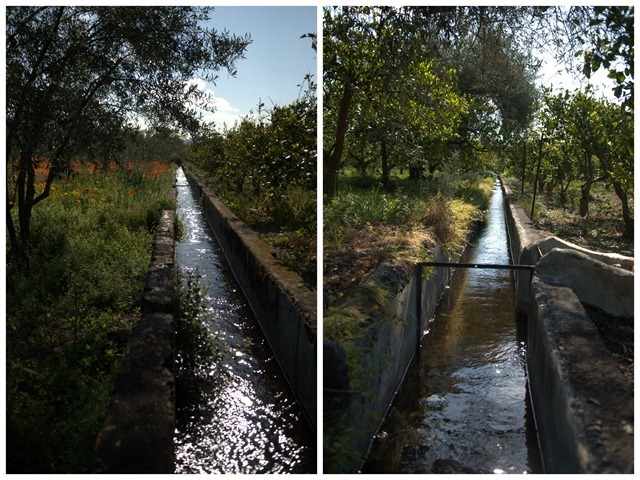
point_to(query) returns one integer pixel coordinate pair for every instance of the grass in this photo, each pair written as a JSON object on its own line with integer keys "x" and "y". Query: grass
{"x": 70, "y": 311}
{"x": 364, "y": 226}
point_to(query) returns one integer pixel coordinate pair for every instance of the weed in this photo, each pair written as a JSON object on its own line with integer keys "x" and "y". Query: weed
{"x": 69, "y": 312}
{"x": 196, "y": 345}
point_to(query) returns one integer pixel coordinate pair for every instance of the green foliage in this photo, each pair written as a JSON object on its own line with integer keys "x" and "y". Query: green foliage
{"x": 264, "y": 169}
{"x": 339, "y": 453}
{"x": 420, "y": 204}
{"x": 265, "y": 154}
{"x": 609, "y": 39}
{"x": 196, "y": 345}
{"x": 412, "y": 87}
{"x": 70, "y": 307}
{"x": 78, "y": 75}
{"x": 588, "y": 138}
{"x": 360, "y": 208}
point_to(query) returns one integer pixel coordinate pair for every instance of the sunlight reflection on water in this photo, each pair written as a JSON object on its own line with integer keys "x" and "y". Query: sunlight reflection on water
{"x": 245, "y": 419}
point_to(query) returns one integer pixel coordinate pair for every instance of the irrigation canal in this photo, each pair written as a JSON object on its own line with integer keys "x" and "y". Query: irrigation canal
{"x": 245, "y": 418}
{"x": 464, "y": 406}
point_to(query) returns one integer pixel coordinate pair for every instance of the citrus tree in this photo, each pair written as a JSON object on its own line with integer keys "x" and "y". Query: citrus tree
{"x": 590, "y": 138}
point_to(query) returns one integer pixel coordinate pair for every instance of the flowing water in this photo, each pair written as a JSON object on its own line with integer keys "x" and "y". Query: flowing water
{"x": 464, "y": 406}
{"x": 245, "y": 418}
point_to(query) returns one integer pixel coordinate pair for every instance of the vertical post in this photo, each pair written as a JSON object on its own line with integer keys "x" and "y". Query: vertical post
{"x": 524, "y": 161}
{"x": 418, "y": 305}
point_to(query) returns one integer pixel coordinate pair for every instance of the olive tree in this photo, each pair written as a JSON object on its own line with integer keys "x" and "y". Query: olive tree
{"x": 79, "y": 76}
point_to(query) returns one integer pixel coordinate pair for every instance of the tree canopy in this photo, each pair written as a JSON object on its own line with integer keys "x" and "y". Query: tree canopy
{"x": 375, "y": 60}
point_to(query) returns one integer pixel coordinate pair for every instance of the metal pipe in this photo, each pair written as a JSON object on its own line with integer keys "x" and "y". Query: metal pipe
{"x": 477, "y": 265}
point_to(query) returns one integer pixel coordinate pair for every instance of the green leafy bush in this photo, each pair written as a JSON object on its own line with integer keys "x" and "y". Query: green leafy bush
{"x": 196, "y": 344}
{"x": 264, "y": 169}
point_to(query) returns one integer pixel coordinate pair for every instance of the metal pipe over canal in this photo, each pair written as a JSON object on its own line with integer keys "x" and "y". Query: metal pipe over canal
{"x": 463, "y": 406}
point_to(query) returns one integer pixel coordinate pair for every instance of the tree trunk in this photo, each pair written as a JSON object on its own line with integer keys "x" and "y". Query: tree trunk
{"x": 26, "y": 192}
{"x": 416, "y": 172}
{"x": 585, "y": 190}
{"x": 384, "y": 152}
{"x": 330, "y": 176}
{"x": 626, "y": 214}
{"x": 11, "y": 228}
{"x": 333, "y": 159}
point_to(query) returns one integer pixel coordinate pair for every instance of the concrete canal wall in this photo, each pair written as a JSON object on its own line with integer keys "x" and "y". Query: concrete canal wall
{"x": 583, "y": 406}
{"x": 137, "y": 436}
{"x": 385, "y": 349}
{"x": 285, "y": 307}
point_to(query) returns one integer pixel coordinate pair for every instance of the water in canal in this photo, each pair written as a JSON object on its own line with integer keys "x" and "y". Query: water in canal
{"x": 463, "y": 406}
{"x": 246, "y": 419}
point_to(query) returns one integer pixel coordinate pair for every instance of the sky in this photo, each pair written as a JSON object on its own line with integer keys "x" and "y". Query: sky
{"x": 553, "y": 74}
{"x": 276, "y": 61}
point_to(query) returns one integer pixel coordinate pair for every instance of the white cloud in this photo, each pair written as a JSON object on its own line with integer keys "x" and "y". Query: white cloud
{"x": 224, "y": 113}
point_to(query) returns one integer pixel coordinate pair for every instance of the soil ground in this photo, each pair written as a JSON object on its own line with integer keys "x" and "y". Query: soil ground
{"x": 359, "y": 253}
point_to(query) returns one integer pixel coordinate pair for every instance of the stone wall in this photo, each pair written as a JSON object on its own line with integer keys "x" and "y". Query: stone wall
{"x": 285, "y": 307}
{"x": 137, "y": 436}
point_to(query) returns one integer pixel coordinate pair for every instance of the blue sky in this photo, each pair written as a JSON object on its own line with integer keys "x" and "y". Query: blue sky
{"x": 276, "y": 61}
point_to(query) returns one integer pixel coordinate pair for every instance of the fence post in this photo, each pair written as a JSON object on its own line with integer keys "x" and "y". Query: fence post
{"x": 418, "y": 305}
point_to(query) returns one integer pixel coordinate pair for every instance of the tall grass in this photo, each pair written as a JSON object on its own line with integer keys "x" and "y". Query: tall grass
{"x": 70, "y": 309}
{"x": 445, "y": 206}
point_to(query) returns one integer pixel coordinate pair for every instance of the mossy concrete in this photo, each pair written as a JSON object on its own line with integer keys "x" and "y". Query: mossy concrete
{"x": 359, "y": 397}
{"x": 583, "y": 404}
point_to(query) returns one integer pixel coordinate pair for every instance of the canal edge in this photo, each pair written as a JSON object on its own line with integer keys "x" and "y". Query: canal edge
{"x": 577, "y": 391}
{"x": 138, "y": 432}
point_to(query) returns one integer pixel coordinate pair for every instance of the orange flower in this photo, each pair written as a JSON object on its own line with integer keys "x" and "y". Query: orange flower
{"x": 131, "y": 192}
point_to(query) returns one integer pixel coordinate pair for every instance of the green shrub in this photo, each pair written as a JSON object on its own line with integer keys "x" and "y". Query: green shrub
{"x": 196, "y": 344}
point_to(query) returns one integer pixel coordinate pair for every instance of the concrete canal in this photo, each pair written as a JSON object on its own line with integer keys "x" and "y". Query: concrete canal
{"x": 245, "y": 418}
{"x": 463, "y": 406}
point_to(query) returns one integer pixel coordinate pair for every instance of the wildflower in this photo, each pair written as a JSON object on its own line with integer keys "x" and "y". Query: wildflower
{"x": 131, "y": 192}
